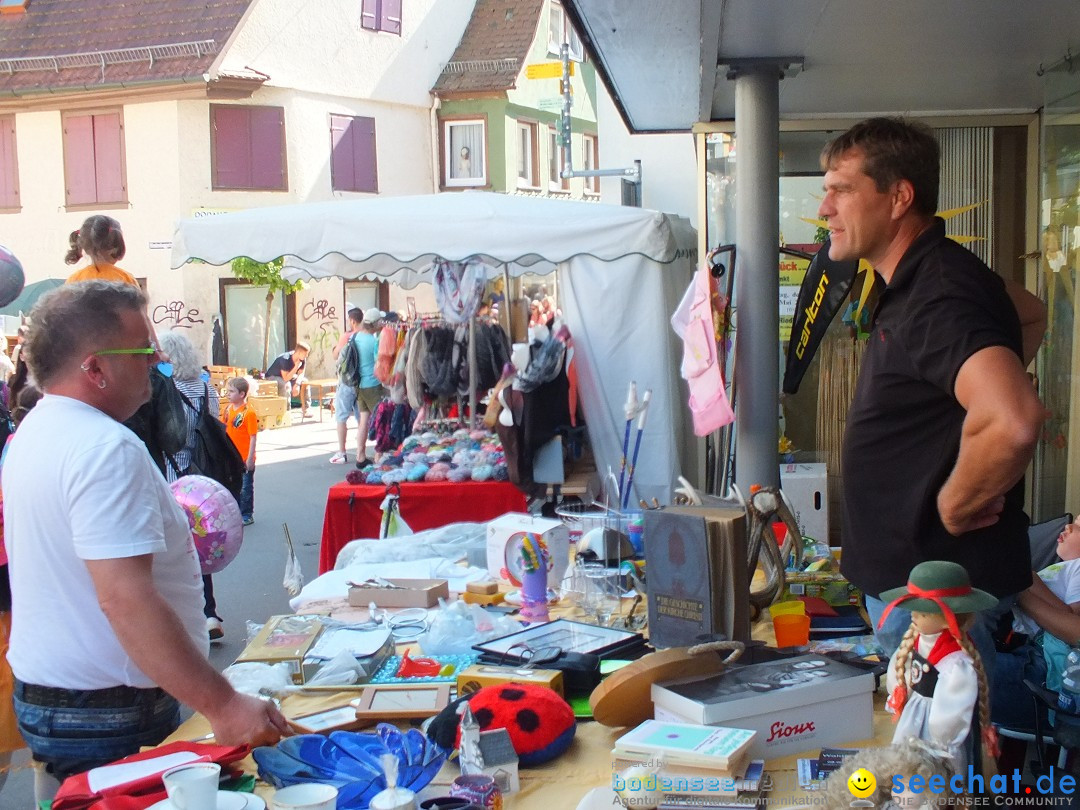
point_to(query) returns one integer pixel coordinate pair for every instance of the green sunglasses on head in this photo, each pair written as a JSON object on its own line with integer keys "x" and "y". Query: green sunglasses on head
{"x": 151, "y": 349}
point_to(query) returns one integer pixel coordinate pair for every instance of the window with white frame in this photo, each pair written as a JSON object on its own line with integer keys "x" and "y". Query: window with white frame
{"x": 464, "y": 153}
{"x": 591, "y": 161}
{"x": 560, "y": 30}
{"x": 527, "y": 158}
{"x": 555, "y": 181}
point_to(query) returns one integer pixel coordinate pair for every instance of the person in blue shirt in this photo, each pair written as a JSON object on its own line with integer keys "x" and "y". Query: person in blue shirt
{"x": 371, "y": 390}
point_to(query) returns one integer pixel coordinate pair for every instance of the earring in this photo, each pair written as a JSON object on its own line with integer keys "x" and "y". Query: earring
{"x": 85, "y": 367}
{"x": 101, "y": 383}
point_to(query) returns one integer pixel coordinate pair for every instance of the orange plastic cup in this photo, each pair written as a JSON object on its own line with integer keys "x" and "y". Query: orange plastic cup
{"x": 792, "y": 629}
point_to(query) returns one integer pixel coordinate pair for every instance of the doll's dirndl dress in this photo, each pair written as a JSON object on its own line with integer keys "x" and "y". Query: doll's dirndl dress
{"x": 943, "y": 688}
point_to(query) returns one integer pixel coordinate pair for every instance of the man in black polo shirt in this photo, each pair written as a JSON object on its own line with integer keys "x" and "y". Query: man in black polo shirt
{"x": 944, "y": 419}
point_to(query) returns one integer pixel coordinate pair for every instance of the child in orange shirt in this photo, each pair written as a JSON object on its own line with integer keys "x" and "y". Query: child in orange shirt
{"x": 242, "y": 425}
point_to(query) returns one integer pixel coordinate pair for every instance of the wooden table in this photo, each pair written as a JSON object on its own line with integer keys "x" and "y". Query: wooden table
{"x": 585, "y": 770}
{"x": 325, "y": 388}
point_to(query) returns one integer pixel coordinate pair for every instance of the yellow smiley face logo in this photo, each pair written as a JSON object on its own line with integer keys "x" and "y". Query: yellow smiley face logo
{"x": 861, "y": 783}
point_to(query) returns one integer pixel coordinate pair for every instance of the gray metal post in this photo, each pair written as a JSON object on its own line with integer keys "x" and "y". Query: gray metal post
{"x": 757, "y": 284}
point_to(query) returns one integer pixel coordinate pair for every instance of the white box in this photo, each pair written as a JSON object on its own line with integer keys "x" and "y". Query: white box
{"x": 504, "y": 536}
{"x": 806, "y": 486}
{"x": 794, "y": 704}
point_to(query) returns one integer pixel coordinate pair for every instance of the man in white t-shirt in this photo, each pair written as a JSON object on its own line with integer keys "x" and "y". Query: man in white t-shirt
{"x": 108, "y": 631}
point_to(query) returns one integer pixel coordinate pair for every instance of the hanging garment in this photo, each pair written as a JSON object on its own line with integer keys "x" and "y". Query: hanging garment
{"x": 384, "y": 357}
{"x": 414, "y": 380}
{"x": 459, "y": 288}
{"x": 546, "y": 363}
{"x": 437, "y": 369}
{"x": 701, "y": 363}
{"x": 217, "y": 348}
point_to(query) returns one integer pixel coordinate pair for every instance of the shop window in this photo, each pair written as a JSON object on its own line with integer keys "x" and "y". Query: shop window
{"x": 381, "y": 15}
{"x": 353, "y": 164}
{"x": 9, "y": 164}
{"x": 528, "y": 170}
{"x": 591, "y": 161}
{"x": 555, "y": 181}
{"x": 560, "y": 30}
{"x": 464, "y": 153}
{"x": 94, "y": 159}
{"x": 247, "y": 148}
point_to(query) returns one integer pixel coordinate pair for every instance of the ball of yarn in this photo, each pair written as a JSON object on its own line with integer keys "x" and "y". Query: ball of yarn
{"x": 459, "y": 474}
{"x": 437, "y": 473}
{"x": 482, "y": 472}
{"x": 375, "y": 477}
{"x": 393, "y": 476}
{"x": 355, "y": 477}
{"x": 417, "y": 472}
{"x": 501, "y": 474}
{"x": 479, "y": 435}
{"x": 416, "y": 457}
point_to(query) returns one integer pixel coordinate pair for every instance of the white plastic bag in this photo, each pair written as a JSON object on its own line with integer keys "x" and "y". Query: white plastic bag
{"x": 457, "y": 626}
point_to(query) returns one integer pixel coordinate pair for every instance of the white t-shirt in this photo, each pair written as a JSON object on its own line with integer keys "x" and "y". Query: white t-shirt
{"x": 1063, "y": 579}
{"x": 79, "y": 486}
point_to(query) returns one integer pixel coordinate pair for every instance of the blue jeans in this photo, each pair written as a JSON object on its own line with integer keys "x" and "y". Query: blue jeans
{"x": 74, "y": 738}
{"x": 899, "y": 621}
{"x": 247, "y": 495}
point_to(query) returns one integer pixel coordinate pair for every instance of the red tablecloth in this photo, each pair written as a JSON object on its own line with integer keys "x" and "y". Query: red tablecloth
{"x": 353, "y": 511}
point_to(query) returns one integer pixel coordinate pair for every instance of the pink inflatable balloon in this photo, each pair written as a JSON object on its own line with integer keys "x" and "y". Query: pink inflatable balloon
{"x": 214, "y": 518}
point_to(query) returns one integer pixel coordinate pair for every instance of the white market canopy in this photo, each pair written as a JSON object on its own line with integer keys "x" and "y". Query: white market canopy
{"x": 398, "y": 237}
{"x": 622, "y": 272}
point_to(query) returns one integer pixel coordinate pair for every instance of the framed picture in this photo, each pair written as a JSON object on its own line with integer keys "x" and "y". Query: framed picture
{"x": 564, "y": 635}
{"x": 402, "y": 702}
{"x": 339, "y": 718}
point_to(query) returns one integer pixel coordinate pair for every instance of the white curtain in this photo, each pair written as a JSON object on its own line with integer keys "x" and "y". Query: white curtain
{"x": 466, "y": 151}
{"x": 967, "y": 177}
{"x": 625, "y": 339}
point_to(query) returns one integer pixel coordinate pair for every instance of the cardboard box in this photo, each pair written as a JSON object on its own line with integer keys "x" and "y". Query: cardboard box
{"x": 698, "y": 578}
{"x": 828, "y": 585}
{"x": 806, "y": 486}
{"x": 794, "y": 704}
{"x": 272, "y": 412}
{"x": 504, "y": 535}
{"x": 478, "y": 676}
{"x": 423, "y": 593}
{"x": 283, "y": 640}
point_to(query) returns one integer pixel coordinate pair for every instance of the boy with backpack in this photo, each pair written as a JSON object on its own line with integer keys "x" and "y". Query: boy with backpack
{"x": 242, "y": 425}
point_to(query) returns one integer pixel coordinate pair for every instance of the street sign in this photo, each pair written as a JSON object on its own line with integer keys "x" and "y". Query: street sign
{"x": 549, "y": 104}
{"x": 546, "y": 70}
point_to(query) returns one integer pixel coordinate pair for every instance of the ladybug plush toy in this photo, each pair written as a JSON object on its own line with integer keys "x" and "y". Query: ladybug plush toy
{"x": 540, "y": 723}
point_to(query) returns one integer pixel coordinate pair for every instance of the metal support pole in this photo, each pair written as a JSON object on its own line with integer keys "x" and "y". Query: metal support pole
{"x": 473, "y": 374}
{"x": 757, "y": 284}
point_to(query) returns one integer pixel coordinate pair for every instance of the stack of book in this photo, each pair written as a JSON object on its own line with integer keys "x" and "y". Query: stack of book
{"x": 696, "y": 766}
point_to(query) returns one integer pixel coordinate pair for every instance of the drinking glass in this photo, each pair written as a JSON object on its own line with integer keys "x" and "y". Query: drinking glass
{"x": 603, "y": 593}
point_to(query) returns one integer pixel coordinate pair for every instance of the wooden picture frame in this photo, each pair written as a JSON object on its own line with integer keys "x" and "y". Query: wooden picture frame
{"x": 402, "y": 701}
{"x": 337, "y": 718}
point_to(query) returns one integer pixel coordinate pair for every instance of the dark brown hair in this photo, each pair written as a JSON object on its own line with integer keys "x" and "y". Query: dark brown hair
{"x": 99, "y": 236}
{"x": 893, "y": 149}
{"x": 74, "y": 319}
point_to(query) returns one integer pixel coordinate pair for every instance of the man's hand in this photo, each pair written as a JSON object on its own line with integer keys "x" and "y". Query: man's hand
{"x": 251, "y": 720}
{"x": 958, "y": 520}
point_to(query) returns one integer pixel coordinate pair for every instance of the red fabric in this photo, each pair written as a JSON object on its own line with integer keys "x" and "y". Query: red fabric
{"x": 353, "y": 511}
{"x": 75, "y": 794}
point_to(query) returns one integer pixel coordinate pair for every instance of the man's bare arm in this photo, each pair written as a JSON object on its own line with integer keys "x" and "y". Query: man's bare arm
{"x": 1002, "y": 424}
{"x": 152, "y": 634}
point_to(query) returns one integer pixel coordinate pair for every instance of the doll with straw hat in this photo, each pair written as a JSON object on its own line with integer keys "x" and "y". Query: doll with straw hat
{"x": 935, "y": 677}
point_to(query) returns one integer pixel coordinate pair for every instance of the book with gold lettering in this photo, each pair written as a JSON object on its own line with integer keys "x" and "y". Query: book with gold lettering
{"x": 698, "y": 580}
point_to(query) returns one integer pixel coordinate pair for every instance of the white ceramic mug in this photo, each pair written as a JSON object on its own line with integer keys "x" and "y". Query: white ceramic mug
{"x": 308, "y": 796}
{"x": 193, "y": 786}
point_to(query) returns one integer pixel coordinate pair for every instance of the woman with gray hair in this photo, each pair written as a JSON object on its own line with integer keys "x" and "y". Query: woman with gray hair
{"x": 187, "y": 377}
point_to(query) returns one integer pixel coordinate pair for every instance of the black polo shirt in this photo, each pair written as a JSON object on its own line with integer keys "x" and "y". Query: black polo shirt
{"x": 903, "y": 429}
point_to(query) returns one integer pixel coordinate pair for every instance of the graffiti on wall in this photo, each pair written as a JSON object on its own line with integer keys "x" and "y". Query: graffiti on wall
{"x": 176, "y": 314}
{"x": 322, "y": 311}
